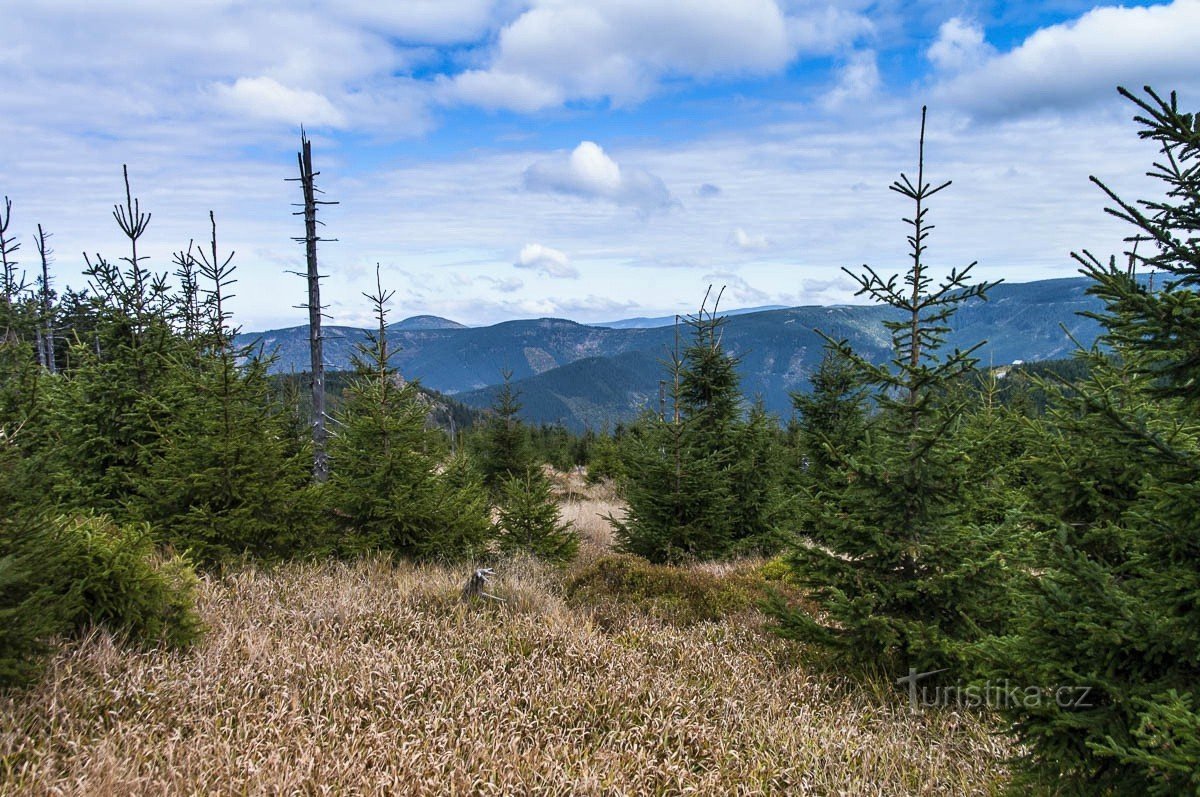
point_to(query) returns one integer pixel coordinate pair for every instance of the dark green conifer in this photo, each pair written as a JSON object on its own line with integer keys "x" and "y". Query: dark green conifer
{"x": 701, "y": 482}
{"x": 895, "y": 555}
{"x": 224, "y": 479}
{"x": 1113, "y": 615}
{"x": 390, "y": 483}
{"x": 530, "y": 520}
{"x": 504, "y": 446}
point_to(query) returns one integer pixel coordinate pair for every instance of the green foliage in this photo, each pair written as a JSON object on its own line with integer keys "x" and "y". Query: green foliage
{"x": 63, "y": 574}
{"x": 833, "y": 413}
{"x": 604, "y": 460}
{"x": 896, "y": 550}
{"x": 678, "y": 595}
{"x": 553, "y": 445}
{"x": 390, "y": 485}
{"x": 531, "y": 521}
{"x": 503, "y": 447}
{"x": 704, "y": 482}
{"x": 1114, "y": 608}
{"x": 223, "y": 479}
{"x": 119, "y": 389}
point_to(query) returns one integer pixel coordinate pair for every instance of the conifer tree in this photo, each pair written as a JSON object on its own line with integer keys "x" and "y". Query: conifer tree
{"x": 221, "y": 481}
{"x": 530, "y": 520}
{"x": 389, "y": 482}
{"x": 895, "y": 557}
{"x": 833, "y": 413}
{"x": 504, "y": 447}
{"x": 1113, "y": 616}
{"x": 702, "y": 481}
{"x": 119, "y": 388}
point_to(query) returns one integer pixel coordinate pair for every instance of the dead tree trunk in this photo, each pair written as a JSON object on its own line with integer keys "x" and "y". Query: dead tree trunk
{"x": 46, "y": 300}
{"x": 307, "y": 181}
{"x": 9, "y": 284}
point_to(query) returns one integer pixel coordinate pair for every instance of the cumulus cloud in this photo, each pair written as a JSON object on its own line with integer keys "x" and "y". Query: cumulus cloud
{"x": 590, "y": 173}
{"x": 264, "y": 98}
{"x": 495, "y": 90}
{"x": 748, "y": 243}
{"x": 504, "y": 285}
{"x": 737, "y": 288}
{"x": 858, "y": 80}
{"x": 622, "y": 50}
{"x": 959, "y": 45}
{"x": 546, "y": 261}
{"x": 1075, "y": 63}
{"x": 424, "y": 21}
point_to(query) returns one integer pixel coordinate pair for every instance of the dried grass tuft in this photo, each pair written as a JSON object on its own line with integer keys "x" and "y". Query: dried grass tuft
{"x": 373, "y": 678}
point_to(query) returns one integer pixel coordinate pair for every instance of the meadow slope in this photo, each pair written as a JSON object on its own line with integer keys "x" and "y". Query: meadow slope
{"x": 373, "y": 678}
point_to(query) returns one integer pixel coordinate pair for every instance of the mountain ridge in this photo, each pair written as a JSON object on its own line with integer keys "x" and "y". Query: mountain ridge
{"x": 585, "y": 375}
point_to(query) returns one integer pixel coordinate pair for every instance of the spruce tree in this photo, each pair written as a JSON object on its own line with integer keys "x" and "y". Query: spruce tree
{"x": 1112, "y": 616}
{"x": 898, "y": 563}
{"x": 530, "y": 520}
{"x": 223, "y": 480}
{"x": 832, "y": 414}
{"x": 120, "y": 389}
{"x": 390, "y": 483}
{"x": 701, "y": 482}
{"x": 504, "y": 446}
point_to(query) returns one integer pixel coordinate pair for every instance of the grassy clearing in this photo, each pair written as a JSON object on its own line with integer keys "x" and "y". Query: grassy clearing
{"x": 373, "y": 678}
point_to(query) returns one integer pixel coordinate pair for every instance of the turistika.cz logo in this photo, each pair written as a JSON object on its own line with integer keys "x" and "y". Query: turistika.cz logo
{"x": 988, "y": 694}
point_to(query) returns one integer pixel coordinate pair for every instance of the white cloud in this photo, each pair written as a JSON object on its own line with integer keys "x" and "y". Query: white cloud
{"x": 826, "y": 29}
{"x": 858, "y": 80}
{"x": 494, "y": 90}
{"x": 546, "y": 261}
{"x": 505, "y": 284}
{"x": 1075, "y": 63}
{"x": 264, "y": 98}
{"x": 590, "y": 173}
{"x": 622, "y": 50}
{"x": 424, "y": 21}
{"x": 748, "y": 243}
{"x": 737, "y": 288}
{"x": 959, "y": 45}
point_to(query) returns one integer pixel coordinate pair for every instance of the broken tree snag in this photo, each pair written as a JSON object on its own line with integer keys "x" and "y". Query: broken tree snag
{"x": 307, "y": 180}
{"x": 475, "y": 584}
{"x": 45, "y": 304}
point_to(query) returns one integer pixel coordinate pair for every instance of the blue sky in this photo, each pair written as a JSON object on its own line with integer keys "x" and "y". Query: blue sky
{"x": 588, "y": 159}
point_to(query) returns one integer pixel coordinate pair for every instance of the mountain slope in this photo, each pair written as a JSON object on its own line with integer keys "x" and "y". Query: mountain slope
{"x": 596, "y": 392}
{"x": 587, "y": 375}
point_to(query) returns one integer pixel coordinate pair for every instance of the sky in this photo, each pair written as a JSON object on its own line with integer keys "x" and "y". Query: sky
{"x": 582, "y": 159}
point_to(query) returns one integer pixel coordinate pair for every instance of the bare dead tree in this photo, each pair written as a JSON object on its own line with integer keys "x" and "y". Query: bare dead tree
{"x": 307, "y": 180}
{"x": 45, "y": 330}
{"x": 10, "y": 285}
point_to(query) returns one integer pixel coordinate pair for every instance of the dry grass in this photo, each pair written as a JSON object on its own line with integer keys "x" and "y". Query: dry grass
{"x": 373, "y": 678}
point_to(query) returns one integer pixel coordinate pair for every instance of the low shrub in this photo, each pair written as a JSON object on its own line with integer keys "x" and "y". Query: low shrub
{"x": 678, "y": 595}
{"x": 61, "y": 575}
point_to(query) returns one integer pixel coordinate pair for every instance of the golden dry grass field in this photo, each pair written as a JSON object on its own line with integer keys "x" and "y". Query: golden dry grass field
{"x": 373, "y": 678}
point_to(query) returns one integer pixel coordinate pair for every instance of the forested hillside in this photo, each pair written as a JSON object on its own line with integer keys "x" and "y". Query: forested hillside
{"x": 586, "y": 377}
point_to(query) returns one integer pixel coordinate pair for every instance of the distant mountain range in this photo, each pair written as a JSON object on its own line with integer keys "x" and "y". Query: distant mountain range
{"x": 594, "y": 376}
{"x": 669, "y": 320}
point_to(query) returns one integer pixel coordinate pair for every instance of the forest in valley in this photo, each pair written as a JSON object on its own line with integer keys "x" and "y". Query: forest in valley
{"x": 932, "y": 577}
